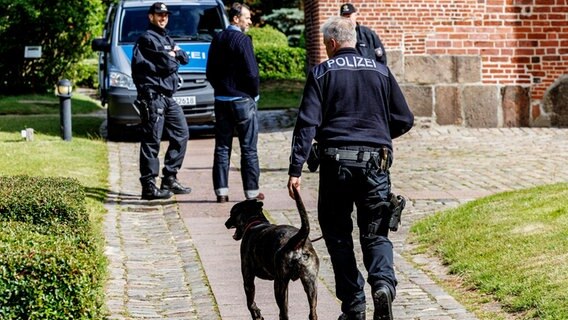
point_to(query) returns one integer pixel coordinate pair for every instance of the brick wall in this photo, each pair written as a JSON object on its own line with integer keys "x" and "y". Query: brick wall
{"x": 521, "y": 43}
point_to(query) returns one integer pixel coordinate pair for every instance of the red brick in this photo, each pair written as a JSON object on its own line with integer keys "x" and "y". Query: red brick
{"x": 549, "y": 43}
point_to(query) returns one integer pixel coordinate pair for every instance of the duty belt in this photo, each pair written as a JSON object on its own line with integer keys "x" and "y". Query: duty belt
{"x": 352, "y": 155}
{"x": 152, "y": 95}
{"x": 359, "y": 158}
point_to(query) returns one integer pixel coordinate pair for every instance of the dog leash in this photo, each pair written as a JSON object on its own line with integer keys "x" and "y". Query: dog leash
{"x": 316, "y": 239}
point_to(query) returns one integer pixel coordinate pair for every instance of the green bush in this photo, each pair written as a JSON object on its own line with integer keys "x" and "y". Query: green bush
{"x": 85, "y": 74}
{"x": 40, "y": 200}
{"x": 281, "y": 63}
{"x": 277, "y": 61}
{"x": 51, "y": 265}
{"x": 267, "y": 35}
{"x": 48, "y": 276}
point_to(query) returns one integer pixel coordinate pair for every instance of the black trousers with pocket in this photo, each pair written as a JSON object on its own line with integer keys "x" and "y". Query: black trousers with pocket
{"x": 163, "y": 114}
{"x": 343, "y": 185}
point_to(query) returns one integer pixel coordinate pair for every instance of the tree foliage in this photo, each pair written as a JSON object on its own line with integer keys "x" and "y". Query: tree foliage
{"x": 264, "y": 7}
{"x": 63, "y": 29}
{"x": 289, "y": 21}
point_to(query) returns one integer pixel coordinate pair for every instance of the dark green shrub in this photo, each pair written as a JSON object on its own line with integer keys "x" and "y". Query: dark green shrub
{"x": 85, "y": 74}
{"x": 276, "y": 60}
{"x": 40, "y": 200}
{"x": 267, "y": 35}
{"x": 281, "y": 63}
{"x": 302, "y": 40}
{"x": 51, "y": 264}
{"x": 48, "y": 276}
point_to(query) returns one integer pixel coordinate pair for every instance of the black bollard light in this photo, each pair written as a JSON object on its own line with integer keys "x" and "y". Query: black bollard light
{"x": 64, "y": 93}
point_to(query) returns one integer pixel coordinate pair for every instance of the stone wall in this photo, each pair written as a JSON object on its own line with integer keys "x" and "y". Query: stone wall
{"x": 449, "y": 90}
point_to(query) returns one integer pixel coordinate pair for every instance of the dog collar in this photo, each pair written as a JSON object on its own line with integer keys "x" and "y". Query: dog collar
{"x": 252, "y": 224}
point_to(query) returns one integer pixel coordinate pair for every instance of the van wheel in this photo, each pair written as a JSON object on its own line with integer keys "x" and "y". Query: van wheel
{"x": 114, "y": 132}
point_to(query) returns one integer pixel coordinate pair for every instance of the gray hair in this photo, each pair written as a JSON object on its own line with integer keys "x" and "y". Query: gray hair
{"x": 341, "y": 29}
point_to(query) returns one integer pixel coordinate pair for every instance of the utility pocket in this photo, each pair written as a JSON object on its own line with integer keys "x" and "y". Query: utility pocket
{"x": 155, "y": 109}
{"x": 243, "y": 109}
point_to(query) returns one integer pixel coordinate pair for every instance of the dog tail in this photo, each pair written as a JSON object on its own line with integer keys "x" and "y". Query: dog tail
{"x": 299, "y": 238}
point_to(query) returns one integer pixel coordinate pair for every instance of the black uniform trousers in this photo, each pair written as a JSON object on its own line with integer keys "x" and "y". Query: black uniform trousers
{"x": 163, "y": 114}
{"x": 341, "y": 186}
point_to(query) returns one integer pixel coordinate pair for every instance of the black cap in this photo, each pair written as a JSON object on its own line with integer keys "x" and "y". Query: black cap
{"x": 347, "y": 9}
{"x": 158, "y": 7}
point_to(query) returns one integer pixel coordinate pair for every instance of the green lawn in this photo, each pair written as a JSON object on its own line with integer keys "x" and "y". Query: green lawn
{"x": 84, "y": 157}
{"x": 511, "y": 246}
{"x": 45, "y": 104}
{"x": 280, "y": 94}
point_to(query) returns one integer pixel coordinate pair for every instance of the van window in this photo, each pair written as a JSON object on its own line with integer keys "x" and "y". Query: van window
{"x": 186, "y": 23}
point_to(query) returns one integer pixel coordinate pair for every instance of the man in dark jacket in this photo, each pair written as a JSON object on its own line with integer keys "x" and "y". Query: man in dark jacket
{"x": 155, "y": 62}
{"x": 233, "y": 72}
{"x": 369, "y": 44}
{"x": 353, "y": 107}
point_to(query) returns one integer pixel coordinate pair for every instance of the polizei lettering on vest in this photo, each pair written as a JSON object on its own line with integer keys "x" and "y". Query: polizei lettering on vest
{"x": 352, "y": 61}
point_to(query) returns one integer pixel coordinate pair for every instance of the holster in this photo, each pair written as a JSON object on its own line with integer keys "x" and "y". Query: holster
{"x": 141, "y": 107}
{"x": 397, "y": 205}
{"x": 148, "y": 109}
{"x": 313, "y": 158}
{"x": 392, "y": 210}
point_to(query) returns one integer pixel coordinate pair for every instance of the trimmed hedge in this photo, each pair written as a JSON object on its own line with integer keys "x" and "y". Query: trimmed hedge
{"x": 45, "y": 201}
{"x": 281, "y": 63}
{"x": 267, "y": 35}
{"x": 276, "y": 60}
{"x": 51, "y": 266}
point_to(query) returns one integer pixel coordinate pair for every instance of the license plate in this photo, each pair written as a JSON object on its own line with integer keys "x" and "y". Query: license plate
{"x": 185, "y": 101}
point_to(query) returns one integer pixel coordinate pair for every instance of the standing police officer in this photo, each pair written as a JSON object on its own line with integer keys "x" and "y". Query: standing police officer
{"x": 369, "y": 44}
{"x": 353, "y": 107}
{"x": 155, "y": 62}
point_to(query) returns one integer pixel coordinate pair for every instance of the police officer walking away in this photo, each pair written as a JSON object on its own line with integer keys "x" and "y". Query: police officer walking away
{"x": 353, "y": 107}
{"x": 155, "y": 62}
{"x": 368, "y": 44}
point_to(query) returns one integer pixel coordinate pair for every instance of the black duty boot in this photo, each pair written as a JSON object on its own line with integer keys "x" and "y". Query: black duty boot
{"x": 382, "y": 300}
{"x": 352, "y": 316}
{"x": 172, "y": 184}
{"x": 151, "y": 192}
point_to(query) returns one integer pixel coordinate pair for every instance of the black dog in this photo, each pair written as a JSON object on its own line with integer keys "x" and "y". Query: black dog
{"x": 270, "y": 252}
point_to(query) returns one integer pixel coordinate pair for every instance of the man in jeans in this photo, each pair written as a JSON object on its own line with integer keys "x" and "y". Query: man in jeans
{"x": 233, "y": 72}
